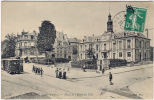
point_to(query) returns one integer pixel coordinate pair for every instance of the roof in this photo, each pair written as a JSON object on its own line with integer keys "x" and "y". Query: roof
{"x": 128, "y": 34}
{"x": 73, "y": 40}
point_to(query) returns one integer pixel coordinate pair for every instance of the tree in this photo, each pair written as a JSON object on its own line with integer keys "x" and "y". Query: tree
{"x": 8, "y": 46}
{"x": 90, "y": 53}
{"x": 46, "y": 37}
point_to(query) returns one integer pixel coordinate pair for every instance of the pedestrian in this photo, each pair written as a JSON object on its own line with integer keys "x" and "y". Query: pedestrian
{"x": 68, "y": 69}
{"x": 103, "y": 71}
{"x": 84, "y": 67}
{"x": 60, "y": 73}
{"x": 110, "y": 78}
{"x": 41, "y": 72}
{"x": 64, "y": 74}
{"x": 56, "y": 71}
{"x": 33, "y": 68}
{"x": 36, "y": 70}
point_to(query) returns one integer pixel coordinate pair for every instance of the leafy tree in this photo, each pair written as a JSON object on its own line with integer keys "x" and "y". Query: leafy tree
{"x": 46, "y": 37}
{"x": 8, "y": 46}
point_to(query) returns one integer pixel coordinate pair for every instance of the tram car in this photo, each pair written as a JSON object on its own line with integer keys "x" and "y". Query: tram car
{"x": 12, "y": 66}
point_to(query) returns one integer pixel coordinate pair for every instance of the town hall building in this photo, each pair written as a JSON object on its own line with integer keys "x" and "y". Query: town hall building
{"x": 131, "y": 46}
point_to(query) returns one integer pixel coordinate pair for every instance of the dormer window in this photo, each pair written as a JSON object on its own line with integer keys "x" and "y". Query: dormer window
{"x": 124, "y": 34}
{"x": 32, "y": 37}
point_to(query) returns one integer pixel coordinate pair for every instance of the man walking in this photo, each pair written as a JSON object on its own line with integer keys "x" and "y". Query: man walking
{"x": 110, "y": 78}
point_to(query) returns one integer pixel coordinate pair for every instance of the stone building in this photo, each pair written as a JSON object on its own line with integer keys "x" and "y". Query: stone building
{"x": 66, "y": 47}
{"x": 61, "y": 45}
{"x": 26, "y": 45}
{"x": 131, "y": 46}
{"x": 73, "y": 52}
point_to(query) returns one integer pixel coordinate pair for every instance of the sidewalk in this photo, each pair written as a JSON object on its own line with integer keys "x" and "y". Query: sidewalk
{"x": 76, "y": 73}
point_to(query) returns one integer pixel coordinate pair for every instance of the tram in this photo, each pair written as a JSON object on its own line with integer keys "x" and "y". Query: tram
{"x": 12, "y": 66}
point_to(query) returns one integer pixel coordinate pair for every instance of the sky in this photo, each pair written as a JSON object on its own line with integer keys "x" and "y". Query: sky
{"x": 76, "y": 19}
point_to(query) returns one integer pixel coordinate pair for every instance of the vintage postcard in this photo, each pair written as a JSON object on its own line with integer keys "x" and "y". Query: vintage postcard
{"x": 77, "y": 50}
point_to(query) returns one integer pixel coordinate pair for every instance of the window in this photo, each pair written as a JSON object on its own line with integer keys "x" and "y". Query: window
{"x": 26, "y": 36}
{"x": 32, "y": 52}
{"x": 104, "y": 46}
{"x": 25, "y": 44}
{"x": 90, "y": 45}
{"x": 97, "y": 55}
{"x": 114, "y": 55}
{"x": 81, "y": 56}
{"x": 120, "y": 44}
{"x": 140, "y": 44}
{"x": 128, "y": 54}
{"x": 25, "y": 52}
{"x": 128, "y": 43}
{"x": 97, "y": 47}
{"x": 120, "y": 54}
{"x": 147, "y": 44}
{"x": 32, "y": 37}
{"x": 114, "y": 45}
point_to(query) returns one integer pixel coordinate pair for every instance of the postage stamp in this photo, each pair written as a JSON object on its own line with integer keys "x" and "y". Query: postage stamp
{"x": 135, "y": 19}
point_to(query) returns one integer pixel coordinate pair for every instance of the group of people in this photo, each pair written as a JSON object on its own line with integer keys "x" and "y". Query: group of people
{"x": 37, "y": 70}
{"x": 60, "y": 73}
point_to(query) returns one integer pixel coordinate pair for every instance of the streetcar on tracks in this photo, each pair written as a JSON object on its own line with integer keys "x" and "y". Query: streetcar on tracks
{"x": 12, "y": 66}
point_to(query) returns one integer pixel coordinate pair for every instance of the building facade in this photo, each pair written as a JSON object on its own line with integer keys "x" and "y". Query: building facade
{"x": 66, "y": 47}
{"x": 131, "y": 46}
{"x": 26, "y": 45}
{"x": 61, "y": 45}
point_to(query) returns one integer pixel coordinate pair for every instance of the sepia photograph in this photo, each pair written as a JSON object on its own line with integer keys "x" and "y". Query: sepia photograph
{"x": 77, "y": 50}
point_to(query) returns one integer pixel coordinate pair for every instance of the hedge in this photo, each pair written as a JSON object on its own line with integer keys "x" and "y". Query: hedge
{"x": 117, "y": 62}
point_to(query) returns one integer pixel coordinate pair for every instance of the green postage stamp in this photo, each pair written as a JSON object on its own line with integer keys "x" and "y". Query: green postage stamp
{"x": 135, "y": 19}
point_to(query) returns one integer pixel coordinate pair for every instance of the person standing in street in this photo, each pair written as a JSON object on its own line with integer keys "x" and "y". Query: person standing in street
{"x": 103, "y": 71}
{"x": 36, "y": 70}
{"x": 60, "y": 73}
{"x": 84, "y": 68}
{"x": 110, "y": 78}
{"x": 56, "y": 72}
{"x": 33, "y": 68}
{"x": 64, "y": 74}
{"x": 41, "y": 71}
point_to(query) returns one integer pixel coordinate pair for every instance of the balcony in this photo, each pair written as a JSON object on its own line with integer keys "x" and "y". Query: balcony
{"x": 25, "y": 47}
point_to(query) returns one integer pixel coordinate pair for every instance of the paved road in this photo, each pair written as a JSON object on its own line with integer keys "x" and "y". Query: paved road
{"x": 78, "y": 85}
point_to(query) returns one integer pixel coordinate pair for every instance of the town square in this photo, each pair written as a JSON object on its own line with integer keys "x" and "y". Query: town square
{"x": 77, "y": 50}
